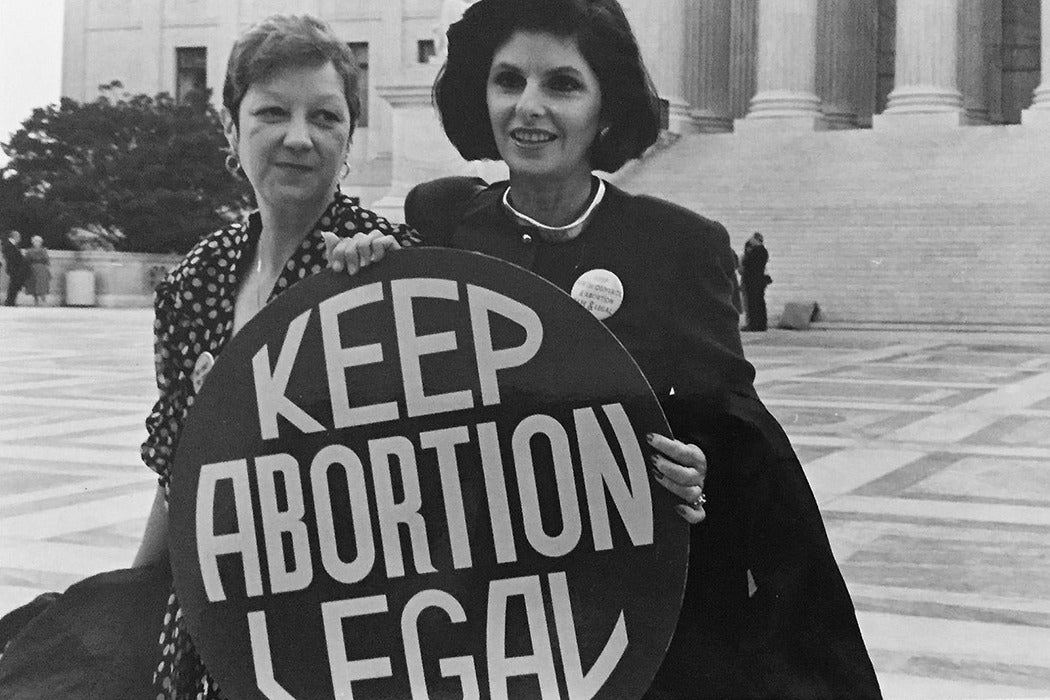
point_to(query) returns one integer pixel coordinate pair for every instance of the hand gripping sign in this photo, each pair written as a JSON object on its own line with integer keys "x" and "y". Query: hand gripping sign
{"x": 426, "y": 481}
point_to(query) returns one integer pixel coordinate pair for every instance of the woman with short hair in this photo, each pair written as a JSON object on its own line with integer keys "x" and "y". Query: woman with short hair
{"x": 290, "y": 104}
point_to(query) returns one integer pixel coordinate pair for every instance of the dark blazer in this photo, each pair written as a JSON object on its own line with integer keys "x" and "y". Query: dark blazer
{"x": 13, "y": 257}
{"x": 796, "y": 633}
{"x": 753, "y": 265}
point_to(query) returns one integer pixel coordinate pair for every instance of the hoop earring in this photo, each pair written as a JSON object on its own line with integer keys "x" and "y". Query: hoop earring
{"x": 233, "y": 165}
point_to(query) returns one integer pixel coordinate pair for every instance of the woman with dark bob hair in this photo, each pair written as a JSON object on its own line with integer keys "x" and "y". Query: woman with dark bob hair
{"x": 630, "y": 105}
{"x": 557, "y": 89}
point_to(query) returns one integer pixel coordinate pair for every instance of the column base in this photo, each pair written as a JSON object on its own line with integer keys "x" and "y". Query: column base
{"x": 977, "y": 117}
{"x": 899, "y": 121}
{"x": 680, "y": 118}
{"x": 708, "y": 122}
{"x": 838, "y": 121}
{"x": 784, "y": 104}
{"x": 923, "y": 99}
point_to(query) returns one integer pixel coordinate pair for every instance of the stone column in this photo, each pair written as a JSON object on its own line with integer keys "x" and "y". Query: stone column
{"x": 663, "y": 30}
{"x": 975, "y": 29}
{"x": 926, "y": 73}
{"x": 743, "y": 28}
{"x": 712, "y": 111}
{"x": 846, "y": 61}
{"x": 1039, "y": 112}
{"x": 993, "y": 60}
{"x": 787, "y": 67}
{"x": 386, "y": 63}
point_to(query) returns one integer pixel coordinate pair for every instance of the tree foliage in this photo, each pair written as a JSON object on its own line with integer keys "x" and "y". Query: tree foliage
{"x": 150, "y": 167}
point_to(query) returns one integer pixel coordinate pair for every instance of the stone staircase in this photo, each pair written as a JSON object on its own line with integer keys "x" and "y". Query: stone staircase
{"x": 912, "y": 225}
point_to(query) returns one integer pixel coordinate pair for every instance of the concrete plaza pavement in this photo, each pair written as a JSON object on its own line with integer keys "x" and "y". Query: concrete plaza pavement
{"x": 929, "y": 452}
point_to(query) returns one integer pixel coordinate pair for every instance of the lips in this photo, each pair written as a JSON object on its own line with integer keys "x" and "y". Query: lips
{"x": 532, "y": 137}
{"x": 296, "y": 167}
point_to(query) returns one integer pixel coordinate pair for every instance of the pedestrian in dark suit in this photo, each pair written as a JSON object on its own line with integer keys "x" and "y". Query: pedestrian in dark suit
{"x": 16, "y": 266}
{"x": 755, "y": 280}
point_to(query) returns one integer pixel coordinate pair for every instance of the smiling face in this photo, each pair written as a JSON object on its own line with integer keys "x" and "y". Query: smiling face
{"x": 293, "y": 135}
{"x": 544, "y": 105}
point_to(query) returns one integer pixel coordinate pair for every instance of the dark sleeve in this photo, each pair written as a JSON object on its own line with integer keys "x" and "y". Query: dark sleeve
{"x": 797, "y": 632}
{"x": 709, "y": 354}
{"x": 433, "y": 209}
{"x": 368, "y": 220}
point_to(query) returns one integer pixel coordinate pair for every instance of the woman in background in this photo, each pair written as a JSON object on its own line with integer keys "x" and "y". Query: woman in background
{"x": 39, "y": 282}
{"x": 557, "y": 89}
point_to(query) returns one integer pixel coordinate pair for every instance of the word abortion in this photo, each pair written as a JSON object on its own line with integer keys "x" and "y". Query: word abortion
{"x": 283, "y": 503}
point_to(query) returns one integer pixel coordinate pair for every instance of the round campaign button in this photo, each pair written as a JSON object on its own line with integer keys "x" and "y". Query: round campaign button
{"x": 200, "y": 370}
{"x": 428, "y": 480}
{"x": 599, "y": 291}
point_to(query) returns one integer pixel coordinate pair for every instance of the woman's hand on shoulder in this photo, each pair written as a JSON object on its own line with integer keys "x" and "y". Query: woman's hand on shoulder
{"x": 681, "y": 469}
{"x": 358, "y": 251}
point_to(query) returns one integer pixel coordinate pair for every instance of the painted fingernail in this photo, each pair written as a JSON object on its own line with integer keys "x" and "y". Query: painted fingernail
{"x": 649, "y": 437}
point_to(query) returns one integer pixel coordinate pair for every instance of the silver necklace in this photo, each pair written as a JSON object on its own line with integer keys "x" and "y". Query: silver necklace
{"x": 565, "y": 232}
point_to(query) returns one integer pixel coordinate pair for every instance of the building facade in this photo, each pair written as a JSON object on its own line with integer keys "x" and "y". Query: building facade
{"x": 171, "y": 46}
{"x": 888, "y": 131}
{"x": 836, "y": 64}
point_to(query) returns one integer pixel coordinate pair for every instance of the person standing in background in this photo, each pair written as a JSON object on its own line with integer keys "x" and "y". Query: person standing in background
{"x": 755, "y": 281}
{"x": 16, "y": 266}
{"x": 39, "y": 267}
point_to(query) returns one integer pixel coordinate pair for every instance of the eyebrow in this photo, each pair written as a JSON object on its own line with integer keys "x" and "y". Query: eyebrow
{"x": 336, "y": 96}
{"x": 556, "y": 69}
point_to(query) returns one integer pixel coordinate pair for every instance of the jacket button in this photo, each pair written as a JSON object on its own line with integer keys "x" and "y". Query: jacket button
{"x": 526, "y": 238}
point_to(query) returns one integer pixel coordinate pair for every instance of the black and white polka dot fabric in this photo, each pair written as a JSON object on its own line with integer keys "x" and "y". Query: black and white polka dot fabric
{"x": 194, "y": 313}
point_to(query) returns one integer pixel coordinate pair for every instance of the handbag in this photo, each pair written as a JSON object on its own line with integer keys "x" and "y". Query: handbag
{"x": 96, "y": 640}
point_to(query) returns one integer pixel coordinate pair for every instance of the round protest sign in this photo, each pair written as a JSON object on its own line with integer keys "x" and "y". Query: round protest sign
{"x": 428, "y": 480}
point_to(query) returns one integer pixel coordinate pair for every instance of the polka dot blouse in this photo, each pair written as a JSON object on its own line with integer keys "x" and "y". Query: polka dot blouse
{"x": 194, "y": 314}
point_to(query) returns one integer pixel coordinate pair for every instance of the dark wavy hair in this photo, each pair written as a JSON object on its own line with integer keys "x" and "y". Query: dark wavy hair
{"x": 630, "y": 106}
{"x": 282, "y": 41}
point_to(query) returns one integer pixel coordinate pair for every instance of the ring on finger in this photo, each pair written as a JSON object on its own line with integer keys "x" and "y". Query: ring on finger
{"x": 698, "y": 502}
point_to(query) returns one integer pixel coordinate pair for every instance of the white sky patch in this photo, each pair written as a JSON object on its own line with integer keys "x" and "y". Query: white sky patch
{"x": 30, "y": 60}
